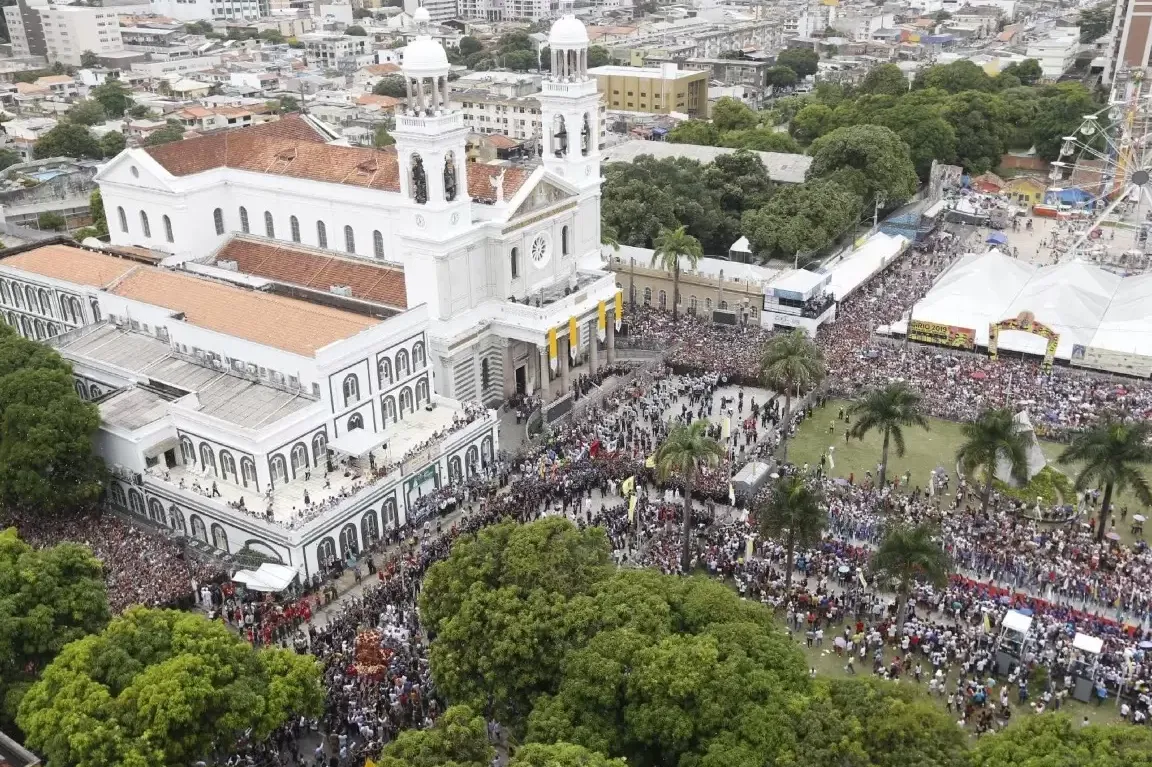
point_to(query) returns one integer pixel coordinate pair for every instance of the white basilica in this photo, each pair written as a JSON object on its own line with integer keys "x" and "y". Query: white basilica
{"x": 292, "y": 342}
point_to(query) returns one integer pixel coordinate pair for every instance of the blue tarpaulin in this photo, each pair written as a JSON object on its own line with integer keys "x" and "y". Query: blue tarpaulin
{"x": 1071, "y": 196}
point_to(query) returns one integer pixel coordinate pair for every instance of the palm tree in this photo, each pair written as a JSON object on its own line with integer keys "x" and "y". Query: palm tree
{"x": 908, "y": 554}
{"x": 1113, "y": 455}
{"x": 993, "y": 434}
{"x": 887, "y": 410}
{"x": 685, "y": 451}
{"x": 791, "y": 362}
{"x": 671, "y": 246}
{"x": 795, "y": 512}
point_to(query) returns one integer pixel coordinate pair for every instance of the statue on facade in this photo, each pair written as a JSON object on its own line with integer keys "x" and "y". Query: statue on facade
{"x": 450, "y": 178}
{"x": 419, "y": 180}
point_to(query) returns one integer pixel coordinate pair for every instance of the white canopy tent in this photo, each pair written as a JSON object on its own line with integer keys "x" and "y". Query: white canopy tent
{"x": 270, "y": 577}
{"x": 1017, "y": 621}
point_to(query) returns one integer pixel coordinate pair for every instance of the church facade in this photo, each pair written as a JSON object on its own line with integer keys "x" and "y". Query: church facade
{"x": 493, "y": 253}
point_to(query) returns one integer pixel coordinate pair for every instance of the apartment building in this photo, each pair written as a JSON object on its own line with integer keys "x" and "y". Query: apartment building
{"x": 211, "y": 10}
{"x": 24, "y": 28}
{"x": 656, "y": 90}
{"x": 333, "y": 50}
{"x": 439, "y": 11}
{"x": 70, "y": 30}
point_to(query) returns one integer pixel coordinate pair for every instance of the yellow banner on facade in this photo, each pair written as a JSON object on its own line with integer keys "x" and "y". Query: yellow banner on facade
{"x": 552, "y": 358}
{"x": 619, "y": 307}
{"x": 602, "y": 321}
{"x": 573, "y": 338}
{"x": 628, "y": 485}
{"x": 632, "y": 508}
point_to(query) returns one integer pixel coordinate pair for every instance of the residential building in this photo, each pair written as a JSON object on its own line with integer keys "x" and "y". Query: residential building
{"x": 1131, "y": 38}
{"x": 1057, "y": 52}
{"x": 25, "y": 29}
{"x": 656, "y": 90}
{"x": 506, "y": 10}
{"x": 336, "y": 51}
{"x": 505, "y": 104}
{"x": 201, "y": 119}
{"x": 60, "y": 86}
{"x": 438, "y": 10}
{"x": 70, "y": 30}
{"x": 333, "y": 305}
{"x": 211, "y": 10}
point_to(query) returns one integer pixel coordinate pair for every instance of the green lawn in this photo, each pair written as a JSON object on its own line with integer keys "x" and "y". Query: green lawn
{"x": 925, "y": 450}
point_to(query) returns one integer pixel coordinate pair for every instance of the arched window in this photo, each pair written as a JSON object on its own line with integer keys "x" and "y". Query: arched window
{"x": 472, "y": 461}
{"x": 243, "y": 219}
{"x": 156, "y": 511}
{"x": 95, "y": 304}
{"x": 207, "y": 457}
{"x": 421, "y": 392}
{"x": 269, "y": 225}
{"x": 406, "y": 403}
{"x": 199, "y": 532}
{"x": 355, "y": 422}
{"x": 45, "y": 303}
{"x": 136, "y": 502}
{"x": 455, "y": 469}
{"x": 663, "y": 299}
{"x": 723, "y": 305}
{"x": 564, "y": 241}
{"x": 220, "y": 538}
{"x": 4, "y": 295}
{"x": 349, "y": 239}
{"x": 370, "y": 528}
{"x": 39, "y": 329}
{"x": 299, "y": 458}
{"x": 279, "y": 470}
{"x": 30, "y": 296}
{"x": 120, "y": 214}
{"x": 81, "y": 389}
{"x": 294, "y": 225}
{"x": 693, "y": 304}
{"x": 248, "y": 472}
{"x": 647, "y": 296}
{"x": 486, "y": 450}
{"x": 187, "y": 452}
{"x": 485, "y": 374}
{"x": 144, "y": 225}
{"x": 351, "y": 390}
{"x": 419, "y": 180}
{"x": 227, "y": 466}
{"x": 708, "y": 304}
{"x": 168, "y": 229}
{"x": 218, "y": 220}
{"x": 95, "y": 392}
{"x": 389, "y": 510}
{"x": 384, "y": 371}
{"x": 321, "y": 234}
{"x": 118, "y": 495}
{"x": 349, "y": 545}
{"x": 326, "y": 552}
{"x": 176, "y": 519}
{"x": 514, "y": 260}
{"x": 16, "y": 300}
{"x": 401, "y": 364}
{"x": 26, "y": 327}
{"x": 64, "y": 308}
{"x": 389, "y": 409}
{"x": 419, "y": 356}
{"x": 378, "y": 244}
{"x": 319, "y": 448}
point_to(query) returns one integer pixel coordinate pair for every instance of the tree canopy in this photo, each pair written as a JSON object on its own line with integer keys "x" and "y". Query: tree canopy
{"x": 801, "y": 218}
{"x": 1052, "y": 739}
{"x": 879, "y": 155}
{"x": 114, "y": 96}
{"x": 67, "y": 139}
{"x": 48, "y": 598}
{"x": 161, "y": 687}
{"x": 802, "y": 61}
{"x": 46, "y": 457}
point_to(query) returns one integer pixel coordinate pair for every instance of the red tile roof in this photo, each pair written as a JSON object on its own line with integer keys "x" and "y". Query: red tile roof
{"x": 291, "y": 147}
{"x": 381, "y": 283}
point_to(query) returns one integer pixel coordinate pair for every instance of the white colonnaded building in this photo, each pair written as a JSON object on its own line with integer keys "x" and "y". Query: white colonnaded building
{"x": 292, "y": 341}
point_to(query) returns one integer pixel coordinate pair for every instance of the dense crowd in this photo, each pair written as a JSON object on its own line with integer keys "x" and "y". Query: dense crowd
{"x": 139, "y": 567}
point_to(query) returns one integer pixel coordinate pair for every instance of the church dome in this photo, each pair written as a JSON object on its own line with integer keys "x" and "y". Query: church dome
{"x": 568, "y": 32}
{"x": 421, "y": 16}
{"x": 425, "y": 57}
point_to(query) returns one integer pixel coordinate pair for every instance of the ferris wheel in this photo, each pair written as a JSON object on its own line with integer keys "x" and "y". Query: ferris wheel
{"x": 1100, "y": 185}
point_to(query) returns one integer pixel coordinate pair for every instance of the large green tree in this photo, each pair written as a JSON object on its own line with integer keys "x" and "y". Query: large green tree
{"x": 982, "y": 129}
{"x": 801, "y": 219}
{"x": 1095, "y": 21}
{"x": 888, "y": 410}
{"x": 86, "y": 112}
{"x": 732, "y": 114}
{"x": 1053, "y": 739}
{"x": 796, "y": 514}
{"x": 67, "y": 139}
{"x": 792, "y": 364}
{"x": 114, "y": 96}
{"x": 458, "y": 738}
{"x": 46, "y": 458}
{"x": 1059, "y": 113}
{"x": 878, "y": 153}
{"x": 957, "y": 77}
{"x": 504, "y": 608}
{"x": 561, "y": 755}
{"x": 884, "y": 80}
{"x": 48, "y": 598}
{"x": 684, "y": 454}
{"x": 802, "y": 61}
{"x": 990, "y": 438}
{"x": 161, "y": 687}
{"x": 1114, "y": 456}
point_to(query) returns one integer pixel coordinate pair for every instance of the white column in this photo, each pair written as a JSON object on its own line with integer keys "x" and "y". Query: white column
{"x": 420, "y": 94}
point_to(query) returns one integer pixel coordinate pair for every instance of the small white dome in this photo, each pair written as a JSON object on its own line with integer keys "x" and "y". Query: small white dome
{"x": 425, "y": 57}
{"x": 568, "y": 32}
{"x": 421, "y": 16}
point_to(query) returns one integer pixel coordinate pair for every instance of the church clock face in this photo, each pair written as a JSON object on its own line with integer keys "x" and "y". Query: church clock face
{"x": 540, "y": 251}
